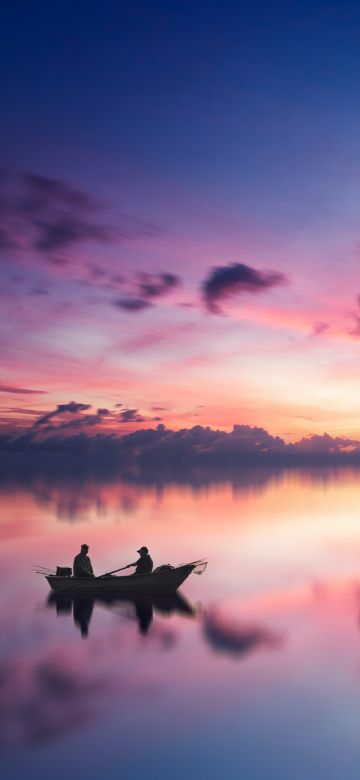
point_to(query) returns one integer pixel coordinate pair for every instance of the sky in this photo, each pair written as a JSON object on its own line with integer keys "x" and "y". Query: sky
{"x": 179, "y": 228}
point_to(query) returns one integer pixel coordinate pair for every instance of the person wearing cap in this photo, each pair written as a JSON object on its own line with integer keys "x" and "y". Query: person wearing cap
{"x": 144, "y": 564}
{"x": 82, "y": 564}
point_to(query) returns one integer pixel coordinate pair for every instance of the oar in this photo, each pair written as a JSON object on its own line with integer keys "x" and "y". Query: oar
{"x": 113, "y": 572}
{"x": 192, "y": 563}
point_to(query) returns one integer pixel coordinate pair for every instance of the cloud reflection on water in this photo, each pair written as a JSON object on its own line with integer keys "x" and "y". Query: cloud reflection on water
{"x": 236, "y": 639}
{"x": 73, "y": 497}
{"x": 44, "y": 698}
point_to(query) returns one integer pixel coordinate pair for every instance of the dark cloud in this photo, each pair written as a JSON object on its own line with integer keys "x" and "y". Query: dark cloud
{"x": 203, "y": 444}
{"x": 49, "y": 216}
{"x": 20, "y": 390}
{"x": 42, "y": 191}
{"x": 68, "y": 417}
{"x": 52, "y": 217}
{"x": 70, "y": 436}
{"x": 72, "y": 408}
{"x": 65, "y": 232}
{"x": 131, "y": 415}
{"x": 82, "y": 421}
{"x": 132, "y": 304}
{"x": 228, "y": 280}
{"x": 238, "y": 640}
{"x": 148, "y": 288}
{"x": 326, "y": 445}
{"x": 156, "y": 285}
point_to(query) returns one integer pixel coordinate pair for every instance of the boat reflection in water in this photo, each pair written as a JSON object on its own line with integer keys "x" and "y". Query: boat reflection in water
{"x": 142, "y": 608}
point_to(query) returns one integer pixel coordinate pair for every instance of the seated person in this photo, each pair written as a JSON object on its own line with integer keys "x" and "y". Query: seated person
{"x": 144, "y": 564}
{"x": 82, "y": 564}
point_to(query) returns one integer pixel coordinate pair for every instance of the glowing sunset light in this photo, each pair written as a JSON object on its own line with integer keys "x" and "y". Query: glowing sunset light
{"x": 179, "y": 370}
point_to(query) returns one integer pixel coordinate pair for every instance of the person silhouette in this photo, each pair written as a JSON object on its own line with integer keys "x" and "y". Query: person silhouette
{"x": 144, "y": 564}
{"x": 82, "y": 564}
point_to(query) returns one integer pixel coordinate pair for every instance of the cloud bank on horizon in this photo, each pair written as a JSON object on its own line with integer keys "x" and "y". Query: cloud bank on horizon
{"x": 74, "y": 430}
{"x": 196, "y": 251}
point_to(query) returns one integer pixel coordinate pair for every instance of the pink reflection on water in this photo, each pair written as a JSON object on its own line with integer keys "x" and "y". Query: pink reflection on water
{"x": 276, "y": 610}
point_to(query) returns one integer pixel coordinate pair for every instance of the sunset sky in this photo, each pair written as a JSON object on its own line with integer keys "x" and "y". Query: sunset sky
{"x": 179, "y": 215}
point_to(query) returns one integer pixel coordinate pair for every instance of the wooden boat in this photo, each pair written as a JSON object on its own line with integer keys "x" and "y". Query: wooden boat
{"x": 163, "y": 581}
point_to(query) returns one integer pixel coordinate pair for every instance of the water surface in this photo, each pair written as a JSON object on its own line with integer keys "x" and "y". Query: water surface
{"x": 253, "y": 670}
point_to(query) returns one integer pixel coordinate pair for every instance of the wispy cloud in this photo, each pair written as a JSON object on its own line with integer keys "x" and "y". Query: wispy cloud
{"x": 51, "y": 219}
{"x": 20, "y": 390}
{"x": 150, "y": 338}
{"x": 319, "y": 328}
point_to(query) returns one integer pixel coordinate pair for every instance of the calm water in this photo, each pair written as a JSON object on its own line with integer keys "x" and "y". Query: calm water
{"x": 253, "y": 671}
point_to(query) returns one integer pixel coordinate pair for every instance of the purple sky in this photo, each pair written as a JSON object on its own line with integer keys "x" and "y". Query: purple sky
{"x": 178, "y": 214}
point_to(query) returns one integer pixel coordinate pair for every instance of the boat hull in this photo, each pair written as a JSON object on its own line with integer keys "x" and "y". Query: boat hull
{"x": 156, "y": 582}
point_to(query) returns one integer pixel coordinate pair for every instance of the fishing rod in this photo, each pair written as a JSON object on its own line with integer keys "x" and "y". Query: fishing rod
{"x": 44, "y": 573}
